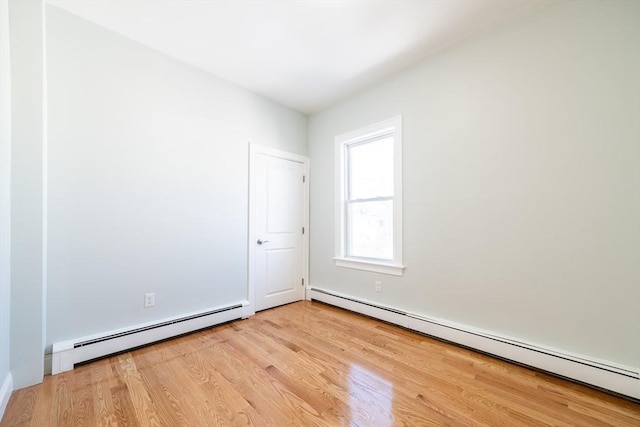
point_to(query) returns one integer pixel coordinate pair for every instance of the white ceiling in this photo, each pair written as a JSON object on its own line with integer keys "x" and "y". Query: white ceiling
{"x": 305, "y": 54}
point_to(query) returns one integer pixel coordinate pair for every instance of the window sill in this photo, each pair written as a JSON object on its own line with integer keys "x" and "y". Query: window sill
{"x": 375, "y": 267}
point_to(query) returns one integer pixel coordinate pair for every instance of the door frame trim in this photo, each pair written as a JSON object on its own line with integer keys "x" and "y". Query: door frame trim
{"x": 254, "y": 151}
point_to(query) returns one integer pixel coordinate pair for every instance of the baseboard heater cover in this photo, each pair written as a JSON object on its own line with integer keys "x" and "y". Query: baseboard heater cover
{"x": 66, "y": 354}
{"x": 602, "y": 374}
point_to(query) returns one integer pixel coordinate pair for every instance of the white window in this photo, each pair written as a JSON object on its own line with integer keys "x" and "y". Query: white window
{"x": 369, "y": 198}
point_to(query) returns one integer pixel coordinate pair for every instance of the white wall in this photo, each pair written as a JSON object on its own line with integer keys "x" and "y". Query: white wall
{"x": 5, "y": 206}
{"x": 148, "y": 180}
{"x": 521, "y": 182}
{"x": 28, "y": 154}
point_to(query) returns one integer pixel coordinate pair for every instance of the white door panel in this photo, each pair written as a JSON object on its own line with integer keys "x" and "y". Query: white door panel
{"x": 281, "y": 271}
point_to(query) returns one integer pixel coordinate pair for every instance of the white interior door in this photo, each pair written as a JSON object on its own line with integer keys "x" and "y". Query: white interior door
{"x": 277, "y": 219}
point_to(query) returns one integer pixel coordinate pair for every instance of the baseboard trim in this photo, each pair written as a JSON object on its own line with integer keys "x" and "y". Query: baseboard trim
{"x": 5, "y": 393}
{"x": 66, "y": 354}
{"x": 601, "y": 374}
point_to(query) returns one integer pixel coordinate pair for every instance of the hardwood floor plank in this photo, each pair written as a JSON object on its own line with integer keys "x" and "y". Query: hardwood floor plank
{"x": 439, "y": 399}
{"x": 302, "y": 381}
{"x": 438, "y": 406}
{"x": 24, "y": 401}
{"x": 309, "y": 364}
{"x": 123, "y": 407}
{"x": 216, "y": 397}
{"x": 63, "y": 400}
{"x": 104, "y": 408}
{"x": 138, "y": 398}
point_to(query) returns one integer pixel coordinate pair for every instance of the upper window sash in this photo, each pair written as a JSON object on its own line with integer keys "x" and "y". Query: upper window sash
{"x": 362, "y": 181}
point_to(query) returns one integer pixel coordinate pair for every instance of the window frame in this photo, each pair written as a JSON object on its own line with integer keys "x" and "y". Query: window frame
{"x": 390, "y": 127}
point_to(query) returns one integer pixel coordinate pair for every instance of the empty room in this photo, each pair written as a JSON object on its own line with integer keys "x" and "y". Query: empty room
{"x": 319, "y": 212}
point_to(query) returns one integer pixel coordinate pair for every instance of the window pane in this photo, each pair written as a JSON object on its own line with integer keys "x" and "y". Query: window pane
{"x": 371, "y": 169}
{"x": 371, "y": 229}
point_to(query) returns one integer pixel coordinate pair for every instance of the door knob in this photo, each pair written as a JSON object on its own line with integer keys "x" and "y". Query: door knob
{"x": 260, "y": 241}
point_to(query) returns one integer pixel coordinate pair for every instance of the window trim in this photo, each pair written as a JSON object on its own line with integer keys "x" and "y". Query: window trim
{"x": 392, "y": 126}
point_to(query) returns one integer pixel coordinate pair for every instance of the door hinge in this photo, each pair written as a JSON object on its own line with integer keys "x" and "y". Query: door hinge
{"x": 303, "y": 179}
{"x": 302, "y": 230}
{"x": 303, "y": 281}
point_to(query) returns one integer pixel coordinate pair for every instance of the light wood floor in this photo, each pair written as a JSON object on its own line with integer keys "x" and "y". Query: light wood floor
{"x": 308, "y": 364}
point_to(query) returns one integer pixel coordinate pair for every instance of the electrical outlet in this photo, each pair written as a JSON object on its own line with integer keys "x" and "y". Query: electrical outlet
{"x": 149, "y": 300}
{"x": 378, "y": 286}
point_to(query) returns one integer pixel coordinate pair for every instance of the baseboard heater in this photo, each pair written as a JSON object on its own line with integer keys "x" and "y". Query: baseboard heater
{"x": 601, "y": 374}
{"x": 66, "y": 354}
